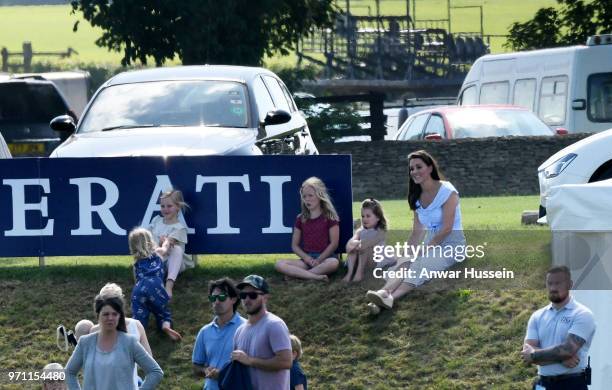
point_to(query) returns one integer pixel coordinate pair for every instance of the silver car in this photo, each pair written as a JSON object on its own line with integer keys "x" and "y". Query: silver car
{"x": 188, "y": 111}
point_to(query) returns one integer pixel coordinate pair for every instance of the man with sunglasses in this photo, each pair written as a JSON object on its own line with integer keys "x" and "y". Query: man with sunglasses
{"x": 262, "y": 343}
{"x": 214, "y": 342}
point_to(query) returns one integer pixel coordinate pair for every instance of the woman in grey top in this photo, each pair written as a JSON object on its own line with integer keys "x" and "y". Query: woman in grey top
{"x": 108, "y": 356}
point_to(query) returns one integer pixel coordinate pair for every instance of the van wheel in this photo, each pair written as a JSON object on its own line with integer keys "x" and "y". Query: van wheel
{"x": 602, "y": 173}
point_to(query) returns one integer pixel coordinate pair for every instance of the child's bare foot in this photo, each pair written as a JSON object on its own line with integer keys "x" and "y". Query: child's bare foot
{"x": 346, "y": 279}
{"x": 358, "y": 278}
{"x": 288, "y": 278}
{"x": 323, "y": 278}
{"x": 173, "y": 334}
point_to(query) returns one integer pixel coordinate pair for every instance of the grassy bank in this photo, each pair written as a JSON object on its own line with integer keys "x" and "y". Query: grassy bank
{"x": 450, "y": 335}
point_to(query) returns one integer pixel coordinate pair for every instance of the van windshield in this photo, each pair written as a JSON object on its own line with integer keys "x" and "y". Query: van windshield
{"x": 600, "y": 97}
{"x": 29, "y": 102}
{"x": 168, "y": 103}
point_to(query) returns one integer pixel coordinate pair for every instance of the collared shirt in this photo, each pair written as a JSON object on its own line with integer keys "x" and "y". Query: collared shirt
{"x": 214, "y": 345}
{"x": 551, "y": 327}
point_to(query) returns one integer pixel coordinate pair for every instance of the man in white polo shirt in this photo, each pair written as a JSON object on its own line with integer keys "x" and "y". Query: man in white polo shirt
{"x": 559, "y": 336}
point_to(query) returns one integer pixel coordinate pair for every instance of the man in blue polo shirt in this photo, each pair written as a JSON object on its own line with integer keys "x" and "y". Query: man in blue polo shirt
{"x": 214, "y": 342}
{"x": 559, "y": 336}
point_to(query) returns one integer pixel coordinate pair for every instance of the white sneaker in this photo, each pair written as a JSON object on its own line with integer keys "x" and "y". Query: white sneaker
{"x": 380, "y": 298}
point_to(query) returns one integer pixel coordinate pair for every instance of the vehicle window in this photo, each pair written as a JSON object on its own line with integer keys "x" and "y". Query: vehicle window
{"x": 29, "y": 102}
{"x": 599, "y": 97}
{"x": 262, "y": 98}
{"x": 494, "y": 93}
{"x": 402, "y": 129}
{"x": 277, "y": 93}
{"x": 524, "y": 93}
{"x": 435, "y": 125}
{"x": 414, "y": 130}
{"x": 169, "y": 103}
{"x": 468, "y": 96}
{"x": 477, "y": 123}
{"x": 553, "y": 94}
{"x": 288, "y": 97}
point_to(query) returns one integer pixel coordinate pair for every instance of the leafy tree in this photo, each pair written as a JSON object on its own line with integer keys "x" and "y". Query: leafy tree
{"x": 571, "y": 24}
{"x": 203, "y": 31}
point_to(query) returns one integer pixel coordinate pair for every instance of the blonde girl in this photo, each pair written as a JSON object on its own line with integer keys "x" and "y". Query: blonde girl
{"x": 315, "y": 235}
{"x": 297, "y": 377}
{"x": 149, "y": 295}
{"x": 360, "y": 247}
{"x": 171, "y": 236}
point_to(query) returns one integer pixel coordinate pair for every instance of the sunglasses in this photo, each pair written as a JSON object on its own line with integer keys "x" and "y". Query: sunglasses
{"x": 219, "y": 297}
{"x": 251, "y": 295}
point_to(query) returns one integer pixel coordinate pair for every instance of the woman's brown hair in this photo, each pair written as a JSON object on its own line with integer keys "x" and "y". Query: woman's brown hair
{"x": 415, "y": 190}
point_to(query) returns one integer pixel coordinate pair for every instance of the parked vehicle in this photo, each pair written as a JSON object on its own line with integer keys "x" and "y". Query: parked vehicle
{"x": 188, "y": 110}
{"x": 4, "y": 150}
{"x": 74, "y": 86}
{"x": 568, "y": 87}
{"x": 586, "y": 161}
{"x": 26, "y": 106}
{"x": 449, "y": 122}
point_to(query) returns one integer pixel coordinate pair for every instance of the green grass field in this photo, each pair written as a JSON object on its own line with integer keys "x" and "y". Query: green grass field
{"x": 449, "y": 335}
{"x": 49, "y": 28}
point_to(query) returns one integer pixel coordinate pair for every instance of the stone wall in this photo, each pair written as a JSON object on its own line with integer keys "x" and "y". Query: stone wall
{"x": 477, "y": 167}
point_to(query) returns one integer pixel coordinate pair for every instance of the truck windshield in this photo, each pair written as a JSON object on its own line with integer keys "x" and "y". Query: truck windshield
{"x": 30, "y": 102}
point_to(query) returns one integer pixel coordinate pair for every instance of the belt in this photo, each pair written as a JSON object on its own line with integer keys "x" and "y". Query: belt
{"x": 560, "y": 378}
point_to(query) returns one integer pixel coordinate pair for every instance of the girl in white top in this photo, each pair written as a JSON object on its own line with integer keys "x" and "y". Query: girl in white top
{"x": 360, "y": 248}
{"x": 171, "y": 236}
{"x": 437, "y": 224}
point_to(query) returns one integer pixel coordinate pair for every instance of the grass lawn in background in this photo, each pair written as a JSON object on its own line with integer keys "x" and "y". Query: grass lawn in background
{"x": 49, "y": 27}
{"x": 448, "y": 335}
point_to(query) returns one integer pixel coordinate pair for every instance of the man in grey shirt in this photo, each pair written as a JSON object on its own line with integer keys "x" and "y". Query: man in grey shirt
{"x": 262, "y": 343}
{"x": 559, "y": 336}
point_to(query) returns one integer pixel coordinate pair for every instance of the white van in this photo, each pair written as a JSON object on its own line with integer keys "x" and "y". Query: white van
{"x": 568, "y": 87}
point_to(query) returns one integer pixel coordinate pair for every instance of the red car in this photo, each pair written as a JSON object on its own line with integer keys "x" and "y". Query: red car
{"x": 449, "y": 122}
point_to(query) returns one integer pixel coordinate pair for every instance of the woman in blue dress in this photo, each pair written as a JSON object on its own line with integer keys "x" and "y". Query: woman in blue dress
{"x": 437, "y": 233}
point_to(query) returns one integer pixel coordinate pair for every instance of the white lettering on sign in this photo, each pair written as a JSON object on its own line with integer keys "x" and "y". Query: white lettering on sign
{"x": 163, "y": 184}
{"x": 86, "y": 208}
{"x": 223, "y": 209}
{"x": 276, "y": 204}
{"x": 20, "y": 207}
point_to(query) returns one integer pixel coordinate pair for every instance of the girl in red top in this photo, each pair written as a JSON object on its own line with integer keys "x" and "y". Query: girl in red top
{"x": 315, "y": 235}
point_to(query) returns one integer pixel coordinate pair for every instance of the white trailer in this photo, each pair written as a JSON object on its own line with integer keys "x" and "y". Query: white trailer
{"x": 580, "y": 219}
